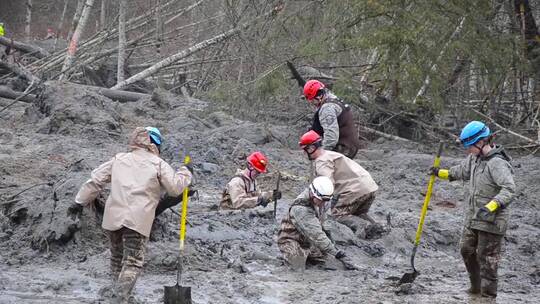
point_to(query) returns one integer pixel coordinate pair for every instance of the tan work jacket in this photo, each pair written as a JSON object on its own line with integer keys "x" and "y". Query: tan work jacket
{"x": 351, "y": 181}
{"x": 241, "y": 193}
{"x": 137, "y": 179}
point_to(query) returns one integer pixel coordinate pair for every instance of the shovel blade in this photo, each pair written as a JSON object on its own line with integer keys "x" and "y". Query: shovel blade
{"x": 177, "y": 295}
{"x": 408, "y": 277}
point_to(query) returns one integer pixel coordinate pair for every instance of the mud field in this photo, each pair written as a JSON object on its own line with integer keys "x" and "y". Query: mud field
{"x": 48, "y": 149}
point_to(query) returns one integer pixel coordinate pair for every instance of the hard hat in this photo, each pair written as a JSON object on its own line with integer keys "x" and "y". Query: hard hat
{"x": 312, "y": 88}
{"x": 155, "y": 135}
{"x": 258, "y": 161}
{"x": 473, "y": 132}
{"x": 309, "y": 138}
{"x": 322, "y": 188}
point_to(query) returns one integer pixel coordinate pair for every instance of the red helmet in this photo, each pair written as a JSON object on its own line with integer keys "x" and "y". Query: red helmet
{"x": 258, "y": 161}
{"x": 309, "y": 138}
{"x": 311, "y": 89}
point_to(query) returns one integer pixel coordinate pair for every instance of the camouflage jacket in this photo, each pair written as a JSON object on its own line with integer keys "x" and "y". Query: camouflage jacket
{"x": 304, "y": 225}
{"x": 490, "y": 177}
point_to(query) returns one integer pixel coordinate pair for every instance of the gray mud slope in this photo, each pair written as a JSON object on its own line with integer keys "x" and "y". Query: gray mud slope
{"x": 47, "y": 151}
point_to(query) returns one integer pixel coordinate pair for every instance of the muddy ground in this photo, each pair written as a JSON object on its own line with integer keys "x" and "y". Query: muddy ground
{"x": 48, "y": 149}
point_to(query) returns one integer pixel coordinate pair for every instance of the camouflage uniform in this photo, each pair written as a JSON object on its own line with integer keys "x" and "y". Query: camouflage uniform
{"x": 127, "y": 258}
{"x": 490, "y": 178}
{"x": 303, "y": 233}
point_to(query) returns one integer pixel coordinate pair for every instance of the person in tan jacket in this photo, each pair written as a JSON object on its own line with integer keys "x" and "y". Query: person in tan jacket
{"x": 137, "y": 179}
{"x": 241, "y": 192}
{"x": 354, "y": 185}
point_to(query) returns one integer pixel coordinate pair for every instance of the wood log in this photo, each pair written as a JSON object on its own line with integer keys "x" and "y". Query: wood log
{"x": 382, "y": 134}
{"x": 19, "y": 70}
{"x": 121, "y": 96}
{"x": 6, "y": 92}
{"x": 24, "y": 47}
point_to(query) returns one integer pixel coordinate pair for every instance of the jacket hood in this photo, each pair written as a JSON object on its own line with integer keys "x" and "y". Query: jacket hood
{"x": 498, "y": 151}
{"x": 139, "y": 139}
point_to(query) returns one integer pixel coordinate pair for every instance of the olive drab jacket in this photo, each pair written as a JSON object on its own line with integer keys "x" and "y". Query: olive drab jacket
{"x": 241, "y": 193}
{"x": 305, "y": 225}
{"x": 137, "y": 179}
{"x": 490, "y": 178}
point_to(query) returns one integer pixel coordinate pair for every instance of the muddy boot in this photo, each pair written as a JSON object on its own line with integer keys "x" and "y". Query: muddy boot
{"x": 475, "y": 285}
{"x": 489, "y": 288}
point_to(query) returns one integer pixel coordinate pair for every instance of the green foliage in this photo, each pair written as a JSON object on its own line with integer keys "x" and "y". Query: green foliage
{"x": 271, "y": 85}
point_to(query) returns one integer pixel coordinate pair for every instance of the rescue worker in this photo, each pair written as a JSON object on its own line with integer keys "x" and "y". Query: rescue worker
{"x": 491, "y": 186}
{"x": 50, "y": 34}
{"x": 333, "y": 120}
{"x": 2, "y": 30}
{"x": 137, "y": 179}
{"x": 353, "y": 183}
{"x": 241, "y": 192}
{"x": 303, "y": 236}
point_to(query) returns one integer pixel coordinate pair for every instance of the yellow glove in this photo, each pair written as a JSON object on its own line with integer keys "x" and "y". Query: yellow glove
{"x": 492, "y": 206}
{"x": 440, "y": 173}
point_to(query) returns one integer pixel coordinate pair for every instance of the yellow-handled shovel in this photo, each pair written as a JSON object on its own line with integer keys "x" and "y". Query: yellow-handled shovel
{"x": 179, "y": 294}
{"x": 411, "y": 276}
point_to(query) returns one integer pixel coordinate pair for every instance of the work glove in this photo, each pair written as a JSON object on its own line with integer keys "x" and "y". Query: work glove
{"x": 276, "y": 194}
{"x": 74, "y": 211}
{"x": 334, "y": 200}
{"x": 264, "y": 199}
{"x": 347, "y": 262}
{"x": 488, "y": 209}
{"x": 189, "y": 167}
{"x": 440, "y": 173}
{"x": 192, "y": 192}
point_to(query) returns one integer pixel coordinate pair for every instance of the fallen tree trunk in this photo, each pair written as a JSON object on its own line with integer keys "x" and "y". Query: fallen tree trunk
{"x": 8, "y": 93}
{"x": 121, "y": 96}
{"x": 20, "y": 71}
{"x": 382, "y": 134}
{"x": 189, "y": 51}
{"x": 25, "y": 48}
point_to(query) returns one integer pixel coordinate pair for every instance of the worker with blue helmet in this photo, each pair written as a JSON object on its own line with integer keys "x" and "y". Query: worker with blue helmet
{"x": 492, "y": 189}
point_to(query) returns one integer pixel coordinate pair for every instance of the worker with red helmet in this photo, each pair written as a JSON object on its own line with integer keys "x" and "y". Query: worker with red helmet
{"x": 354, "y": 185}
{"x": 241, "y": 192}
{"x": 333, "y": 120}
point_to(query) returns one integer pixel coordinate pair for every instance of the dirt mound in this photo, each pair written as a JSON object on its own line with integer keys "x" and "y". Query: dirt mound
{"x": 49, "y": 148}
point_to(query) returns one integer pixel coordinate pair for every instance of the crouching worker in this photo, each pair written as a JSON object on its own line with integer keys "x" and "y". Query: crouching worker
{"x": 353, "y": 183}
{"x": 302, "y": 236}
{"x": 137, "y": 179}
{"x": 241, "y": 192}
{"x": 491, "y": 190}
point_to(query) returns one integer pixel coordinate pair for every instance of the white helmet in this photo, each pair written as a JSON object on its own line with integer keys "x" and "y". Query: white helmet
{"x": 322, "y": 188}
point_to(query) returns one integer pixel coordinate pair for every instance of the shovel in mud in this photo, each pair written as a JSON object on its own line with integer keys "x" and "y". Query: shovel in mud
{"x": 178, "y": 294}
{"x": 411, "y": 276}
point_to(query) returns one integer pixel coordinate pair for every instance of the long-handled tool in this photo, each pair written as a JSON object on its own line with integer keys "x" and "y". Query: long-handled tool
{"x": 179, "y": 294}
{"x": 277, "y": 189}
{"x": 411, "y": 276}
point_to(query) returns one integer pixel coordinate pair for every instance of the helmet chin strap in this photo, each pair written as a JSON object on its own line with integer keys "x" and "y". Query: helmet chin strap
{"x": 309, "y": 155}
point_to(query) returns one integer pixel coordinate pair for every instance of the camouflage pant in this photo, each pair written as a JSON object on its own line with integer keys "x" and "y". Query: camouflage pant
{"x": 347, "y": 151}
{"x": 359, "y": 207}
{"x": 481, "y": 254}
{"x": 292, "y": 249}
{"x": 127, "y": 258}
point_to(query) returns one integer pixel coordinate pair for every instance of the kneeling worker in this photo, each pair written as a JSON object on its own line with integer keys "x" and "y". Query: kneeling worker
{"x": 241, "y": 191}
{"x": 302, "y": 236}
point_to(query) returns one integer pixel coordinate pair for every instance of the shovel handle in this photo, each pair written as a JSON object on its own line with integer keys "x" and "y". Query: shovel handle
{"x": 436, "y": 164}
{"x": 187, "y": 160}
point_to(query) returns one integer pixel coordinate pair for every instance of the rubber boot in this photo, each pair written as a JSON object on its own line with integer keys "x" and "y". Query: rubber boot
{"x": 489, "y": 288}
{"x": 475, "y": 288}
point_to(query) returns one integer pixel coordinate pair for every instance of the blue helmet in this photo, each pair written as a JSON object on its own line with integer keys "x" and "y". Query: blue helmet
{"x": 155, "y": 135}
{"x": 473, "y": 132}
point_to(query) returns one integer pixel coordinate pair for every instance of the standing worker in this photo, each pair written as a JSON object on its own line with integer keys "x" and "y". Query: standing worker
{"x": 491, "y": 190}
{"x": 241, "y": 191}
{"x": 333, "y": 120}
{"x": 353, "y": 183}
{"x": 303, "y": 235}
{"x": 137, "y": 179}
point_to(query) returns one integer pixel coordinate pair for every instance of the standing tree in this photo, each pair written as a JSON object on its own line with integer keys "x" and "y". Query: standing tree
{"x": 121, "y": 40}
{"x": 28, "y": 19}
{"x": 73, "y": 44}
